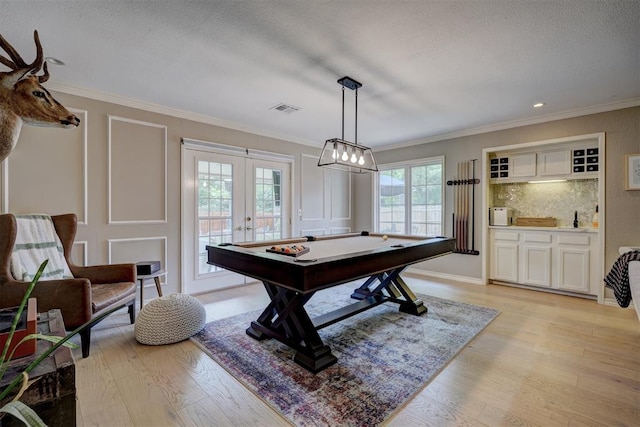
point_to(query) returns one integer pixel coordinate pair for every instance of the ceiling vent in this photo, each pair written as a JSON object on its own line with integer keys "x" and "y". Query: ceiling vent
{"x": 285, "y": 108}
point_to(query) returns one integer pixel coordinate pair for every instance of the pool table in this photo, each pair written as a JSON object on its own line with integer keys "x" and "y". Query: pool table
{"x": 331, "y": 260}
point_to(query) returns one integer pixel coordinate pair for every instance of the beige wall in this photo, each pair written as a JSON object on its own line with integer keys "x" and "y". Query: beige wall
{"x": 57, "y": 171}
{"x": 622, "y": 129}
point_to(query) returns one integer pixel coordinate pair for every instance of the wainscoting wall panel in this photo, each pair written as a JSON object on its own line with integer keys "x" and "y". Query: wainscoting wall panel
{"x": 48, "y": 173}
{"x": 313, "y": 232}
{"x": 340, "y": 195}
{"x": 79, "y": 253}
{"x": 137, "y": 171}
{"x": 339, "y": 230}
{"x": 139, "y": 249}
{"x": 312, "y": 189}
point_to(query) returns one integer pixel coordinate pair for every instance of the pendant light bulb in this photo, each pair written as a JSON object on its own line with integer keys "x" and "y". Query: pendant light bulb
{"x": 354, "y": 158}
{"x": 345, "y": 156}
{"x": 335, "y": 154}
{"x": 361, "y": 160}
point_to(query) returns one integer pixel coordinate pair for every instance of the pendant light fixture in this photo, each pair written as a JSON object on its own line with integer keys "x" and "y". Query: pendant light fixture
{"x": 340, "y": 154}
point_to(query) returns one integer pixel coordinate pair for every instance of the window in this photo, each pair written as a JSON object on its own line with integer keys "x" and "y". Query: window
{"x": 410, "y": 198}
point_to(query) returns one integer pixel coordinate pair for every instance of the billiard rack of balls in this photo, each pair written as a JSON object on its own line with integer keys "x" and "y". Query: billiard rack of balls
{"x": 292, "y": 250}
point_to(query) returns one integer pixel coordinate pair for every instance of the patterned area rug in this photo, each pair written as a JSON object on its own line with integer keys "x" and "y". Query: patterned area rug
{"x": 384, "y": 358}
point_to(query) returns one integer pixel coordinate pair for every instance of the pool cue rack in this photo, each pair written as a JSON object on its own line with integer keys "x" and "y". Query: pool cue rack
{"x": 464, "y": 219}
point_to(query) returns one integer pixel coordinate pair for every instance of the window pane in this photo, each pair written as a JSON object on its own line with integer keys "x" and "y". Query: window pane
{"x": 392, "y": 190}
{"x": 419, "y": 198}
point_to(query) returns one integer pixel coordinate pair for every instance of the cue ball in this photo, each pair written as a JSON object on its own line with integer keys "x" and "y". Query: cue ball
{"x": 385, "y": 237}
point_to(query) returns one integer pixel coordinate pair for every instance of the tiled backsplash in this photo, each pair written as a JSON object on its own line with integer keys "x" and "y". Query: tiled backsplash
{"x": 556, "y": 199}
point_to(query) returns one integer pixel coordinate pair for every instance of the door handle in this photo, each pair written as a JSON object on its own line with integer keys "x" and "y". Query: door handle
{"x": 249, "y": 228}
{"x": 239, "y": 228}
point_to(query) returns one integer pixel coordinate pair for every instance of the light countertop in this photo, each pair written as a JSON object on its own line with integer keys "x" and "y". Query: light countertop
{"x": 567, "y": 229}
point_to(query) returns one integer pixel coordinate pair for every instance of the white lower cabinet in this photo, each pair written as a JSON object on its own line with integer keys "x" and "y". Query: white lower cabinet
{"x": 546, "y": 259}
{"x": 574, "y": 254}
{"x": 504, "y": 260}
{"x": 536, "y": 266}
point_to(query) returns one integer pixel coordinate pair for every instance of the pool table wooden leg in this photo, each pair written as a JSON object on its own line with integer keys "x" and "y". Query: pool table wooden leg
{"x": 396, "y": 289}
{"x": 286, "y": 320}
{"x": 412, "y": 304}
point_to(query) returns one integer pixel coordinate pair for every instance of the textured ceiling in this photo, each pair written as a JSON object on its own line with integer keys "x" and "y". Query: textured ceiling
{"x": 428, "y": 68}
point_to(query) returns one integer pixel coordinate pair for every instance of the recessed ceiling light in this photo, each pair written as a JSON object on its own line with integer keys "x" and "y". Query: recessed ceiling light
{"x": 54, "y": 61}
{"x": 538, "y": 105}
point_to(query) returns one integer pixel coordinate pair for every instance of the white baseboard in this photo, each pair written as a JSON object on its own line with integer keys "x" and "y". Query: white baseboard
{"x": 613, "y": 303}
{"x": 444, "y": 276}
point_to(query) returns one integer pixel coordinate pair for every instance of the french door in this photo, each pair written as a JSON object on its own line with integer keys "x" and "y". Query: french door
{"x": 229, "y": 199}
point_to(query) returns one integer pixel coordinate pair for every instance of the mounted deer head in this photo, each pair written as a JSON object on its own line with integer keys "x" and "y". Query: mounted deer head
{"x": 24, "y": 100}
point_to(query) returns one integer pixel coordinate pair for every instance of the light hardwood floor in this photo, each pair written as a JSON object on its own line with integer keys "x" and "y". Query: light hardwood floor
{"x": 546, "y": 360}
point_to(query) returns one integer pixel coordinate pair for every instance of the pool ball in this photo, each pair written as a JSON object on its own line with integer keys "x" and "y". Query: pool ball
{"x": 385, "y": 237}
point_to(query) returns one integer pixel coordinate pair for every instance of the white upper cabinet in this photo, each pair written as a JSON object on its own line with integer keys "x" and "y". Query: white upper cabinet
{"x": 552, "y": 163}
{"x": 522, "y": 165}
{"x": 578, "y": 160}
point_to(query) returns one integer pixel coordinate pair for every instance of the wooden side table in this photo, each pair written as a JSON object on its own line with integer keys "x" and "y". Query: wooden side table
{"x": 53, "y": 395}
{"x": 156, "y": 278}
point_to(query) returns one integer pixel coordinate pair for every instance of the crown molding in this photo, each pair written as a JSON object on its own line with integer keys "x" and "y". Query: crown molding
{"x": 203, "y": 118}
{"x": 173, "y": 112}
{"x": 602, "y": 108}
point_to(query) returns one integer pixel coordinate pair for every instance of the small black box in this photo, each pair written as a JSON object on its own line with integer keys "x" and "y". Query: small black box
{"x": 147, "y": 267}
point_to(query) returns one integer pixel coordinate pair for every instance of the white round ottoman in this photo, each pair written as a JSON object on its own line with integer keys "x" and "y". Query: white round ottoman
{"x": 169, "y": 319}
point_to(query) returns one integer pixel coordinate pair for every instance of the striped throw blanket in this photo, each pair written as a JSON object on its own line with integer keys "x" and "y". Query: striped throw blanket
{"x": 36, "y": 241}
{"x": 618, "y": 278}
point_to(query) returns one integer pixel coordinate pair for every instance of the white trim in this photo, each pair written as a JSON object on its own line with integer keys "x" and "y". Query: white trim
{"x": 485, "y": 182}
{"x": 426, "y": 161}
{"x": 444, "y": 276}
{"x": 202, "y": 118}
{"x": 339, "y": 230}
{"x": 85, "y": 183}
{"x": 173, "y": 112}
{"x": 109, "y": 172}
{"x": 181, "y": 285}
{"x": 85, "y": 251}
{"x": 350, "y": 198}
{"x": 305, "y": 216}
{"x": 233, "y": 150}
{"x": 110, "y": 243}
{"x": 579, "y": 112}
{"x": 546, "y": 142}
{"x": 246, "y": 156}
{"x": 312, "y": 232}
{"x": 612, "y": 302}
{"x": 85, "y": 186}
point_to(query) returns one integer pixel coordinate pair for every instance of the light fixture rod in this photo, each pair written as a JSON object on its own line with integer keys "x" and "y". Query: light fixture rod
{"x": 356, "y": 120}
{"x": 342, "y": 112}
{"x": 352, "y": 84}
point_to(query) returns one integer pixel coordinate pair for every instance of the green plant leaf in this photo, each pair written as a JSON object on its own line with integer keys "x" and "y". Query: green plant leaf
{"x": 54, "y": 347}
{"x": 23, "y": 413}
{"x": 50, "y": 338}
{"x": 18, "y": 314}
{"x": 53, "y": 339}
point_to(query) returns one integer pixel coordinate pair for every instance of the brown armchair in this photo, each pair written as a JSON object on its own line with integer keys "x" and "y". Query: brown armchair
{"x": 92, "y": 291}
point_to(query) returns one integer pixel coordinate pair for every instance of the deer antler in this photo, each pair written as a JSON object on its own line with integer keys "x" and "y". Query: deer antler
{"x": 19, "y": 66}
{"x": 23, "y": 100}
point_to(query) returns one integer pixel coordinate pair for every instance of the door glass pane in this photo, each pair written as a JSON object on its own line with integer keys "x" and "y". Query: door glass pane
{"x": 215, "y": 196}
{"x": 268, "y": 204}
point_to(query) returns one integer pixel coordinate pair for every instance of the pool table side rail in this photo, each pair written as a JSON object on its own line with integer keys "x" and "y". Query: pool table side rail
{"x": 328, "y": 271}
